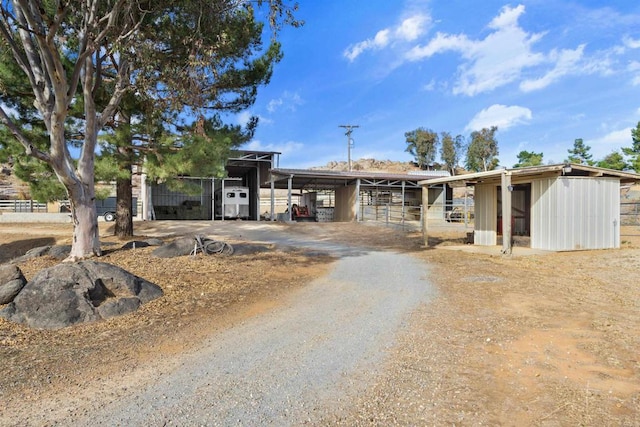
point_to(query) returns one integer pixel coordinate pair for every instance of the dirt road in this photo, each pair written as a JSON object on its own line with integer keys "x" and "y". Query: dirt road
{"x": 291, "y": 364}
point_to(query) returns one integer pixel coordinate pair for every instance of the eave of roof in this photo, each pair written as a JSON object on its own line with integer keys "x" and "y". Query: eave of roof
{"x": 344, "y": 175}
{"x": 532, "y": 171}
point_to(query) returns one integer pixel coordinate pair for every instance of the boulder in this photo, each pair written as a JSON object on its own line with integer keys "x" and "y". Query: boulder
{"x": 142, "y": 243}
{"x": 57, "y": 252}
{"x": 81, "y": 292}
{"x": 178, "y": 247}
{"x": 135, "y": 244}
{"x": 11, "y": 282}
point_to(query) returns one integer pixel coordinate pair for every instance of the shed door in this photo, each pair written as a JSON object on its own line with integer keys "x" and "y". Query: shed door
{"x": 520, "y": 210}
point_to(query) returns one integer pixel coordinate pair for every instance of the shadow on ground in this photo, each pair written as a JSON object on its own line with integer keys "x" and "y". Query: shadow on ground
{"x": 8, "y": 251}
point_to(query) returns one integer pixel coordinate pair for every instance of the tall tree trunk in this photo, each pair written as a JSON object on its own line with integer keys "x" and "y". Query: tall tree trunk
{"x": 80, "y": 186}
{"x": 124, "y": 199}
{"x": 124, "y": 206}
{"x": 86, "y": 236}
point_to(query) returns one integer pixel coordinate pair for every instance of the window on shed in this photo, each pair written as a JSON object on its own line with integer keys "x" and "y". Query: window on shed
{"x": 243, "y": 195}
{"x": 231, "y": 195}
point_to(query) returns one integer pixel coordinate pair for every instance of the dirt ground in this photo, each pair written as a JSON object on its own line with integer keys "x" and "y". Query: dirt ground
{"x": 546, "y": 339}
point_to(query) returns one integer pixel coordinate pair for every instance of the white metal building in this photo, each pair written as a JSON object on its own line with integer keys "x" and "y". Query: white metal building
{"x": 560, "y": 207}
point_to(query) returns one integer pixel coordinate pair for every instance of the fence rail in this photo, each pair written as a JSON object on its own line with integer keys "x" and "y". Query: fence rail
{"x": 22, "y": 206}
{"x": 630, "y": 213}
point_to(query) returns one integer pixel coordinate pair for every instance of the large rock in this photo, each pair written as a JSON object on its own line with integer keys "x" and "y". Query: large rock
{"x": 179, "y": 247}
{"x": 11, "y": 282}
{"x": 80, "y": 292}
{"x": 57, "y": 252}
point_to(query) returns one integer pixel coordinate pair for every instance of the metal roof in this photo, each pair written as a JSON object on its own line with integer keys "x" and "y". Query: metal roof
{"x": 329, "y": 179}
{"x": 532, "y": 172}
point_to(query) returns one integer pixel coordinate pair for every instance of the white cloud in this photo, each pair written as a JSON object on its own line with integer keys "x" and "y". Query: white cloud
{"x": 440, "y": 43}
{"x": 285, "y": 148}
{"x": 631, "y": 43}
{"x": 288, "y": 101}
{"x": 507, "y": 53}
{"x": 565, "y": 61}
{"x": 494, "y": 61}
{"x": 243, "y": 118}
{"x": 609, "y": 142}
{"x": 411, "y": 28}
{"x": 500, "y": 115}
{"x": 617, "y": 137}
{"x": 429, "y": 86}
{"x": 408, "y": 30}
{"x": 274, "y": 104}
{"x": 508, "y": 17}
{"x": 634, "y": 68}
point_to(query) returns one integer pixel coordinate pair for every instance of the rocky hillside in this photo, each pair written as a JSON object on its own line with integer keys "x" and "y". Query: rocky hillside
{"x": 370, "y": 165}
{"x": 10, "y": 186}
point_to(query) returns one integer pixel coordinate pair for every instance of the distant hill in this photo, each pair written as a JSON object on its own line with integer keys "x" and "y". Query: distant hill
{"x": 10, "y": 186}
{"x": 370, "y": 165}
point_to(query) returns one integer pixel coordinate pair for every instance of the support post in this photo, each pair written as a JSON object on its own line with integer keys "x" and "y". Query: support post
{"x": 425, "y": 215}
{"x": 289, "y": 185}
{"x": 222, "y": 204}
{"x": 273, "y": 198}
{"x": 506, "y": 212}
{"x": 358, "y": 200}
{"x": 213, "y": 199}
{"x": 403, "y": 210}
{"x": 258, "y": 193}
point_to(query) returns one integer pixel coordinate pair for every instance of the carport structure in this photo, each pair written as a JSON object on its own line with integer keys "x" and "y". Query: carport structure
{"x": 353, "y": 189}
{"x": 245, "y": 168}
{"x": 559, "y": 207}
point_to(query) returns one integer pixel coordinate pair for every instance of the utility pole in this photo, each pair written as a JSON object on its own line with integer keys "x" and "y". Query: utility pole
{"x": 349, "y": 129}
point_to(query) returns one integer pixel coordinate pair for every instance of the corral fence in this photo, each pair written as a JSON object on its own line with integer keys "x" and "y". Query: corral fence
{"x": 457, "y": 216}
{"x": 630, "y": 220}
{"x": 23, "y": 206}
{"x": 630, "y": 213}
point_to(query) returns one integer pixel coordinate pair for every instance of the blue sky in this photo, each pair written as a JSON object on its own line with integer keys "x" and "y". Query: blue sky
{"x": 544, "y": 72}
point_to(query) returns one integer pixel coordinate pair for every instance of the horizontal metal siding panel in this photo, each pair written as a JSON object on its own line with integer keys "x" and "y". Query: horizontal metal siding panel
{"x": 485, "y": 215}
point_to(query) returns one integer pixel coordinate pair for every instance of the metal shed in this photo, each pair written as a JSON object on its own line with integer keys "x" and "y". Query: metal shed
{"x": 559, "y": 207}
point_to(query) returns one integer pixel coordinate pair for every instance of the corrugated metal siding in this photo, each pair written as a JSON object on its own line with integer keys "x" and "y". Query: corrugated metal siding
{"x": 571, "y": 213}
{"x": 485, "y": 199}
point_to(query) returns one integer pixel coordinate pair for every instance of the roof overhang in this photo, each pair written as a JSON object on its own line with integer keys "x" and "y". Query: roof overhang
{"x": 533, "y": 172}
{"x": 309, "y": 179}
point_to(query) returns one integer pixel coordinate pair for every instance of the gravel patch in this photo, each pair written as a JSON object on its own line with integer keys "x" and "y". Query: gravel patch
{"x": 292, "y": 365}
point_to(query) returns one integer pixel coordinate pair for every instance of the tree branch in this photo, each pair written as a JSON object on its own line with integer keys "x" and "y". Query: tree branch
{"x": 28, "y": 146}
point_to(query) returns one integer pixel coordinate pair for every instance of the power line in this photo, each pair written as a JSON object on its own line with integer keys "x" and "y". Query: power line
{"x": 349, "y": 129}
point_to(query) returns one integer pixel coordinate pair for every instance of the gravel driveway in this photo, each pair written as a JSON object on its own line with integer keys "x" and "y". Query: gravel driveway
{"x": 295, "y": 364}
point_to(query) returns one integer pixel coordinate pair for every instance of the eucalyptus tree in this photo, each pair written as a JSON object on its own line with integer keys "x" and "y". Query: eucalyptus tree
{"x": 451, "y": 150}
{"x": 91, "y": 53}
{"x": 422, "y": 144}
{"x": 482, "y": 152}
